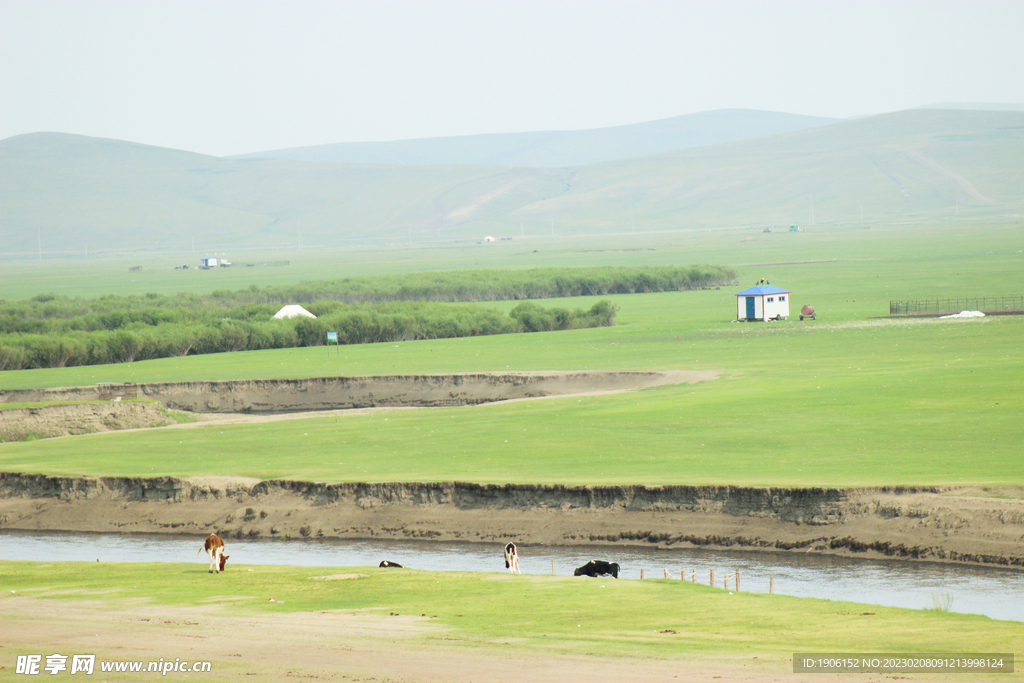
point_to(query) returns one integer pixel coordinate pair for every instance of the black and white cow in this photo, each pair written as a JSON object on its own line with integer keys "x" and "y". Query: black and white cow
{"x": 598, "y": 568}
{"x": 389, "y": 563}
{"x": 512, "y": 558}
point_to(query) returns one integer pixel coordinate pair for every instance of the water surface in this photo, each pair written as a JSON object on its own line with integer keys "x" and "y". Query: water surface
{"x": 997, "y": 593}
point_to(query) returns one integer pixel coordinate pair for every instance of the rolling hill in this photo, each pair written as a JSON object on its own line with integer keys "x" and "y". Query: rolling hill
{"x": 555, "y": 149}
{"x": 67, "y": 192}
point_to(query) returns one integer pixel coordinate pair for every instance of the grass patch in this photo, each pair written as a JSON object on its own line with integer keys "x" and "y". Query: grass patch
{"x": 844, "y": 400}
{"x": 645, "y": 619}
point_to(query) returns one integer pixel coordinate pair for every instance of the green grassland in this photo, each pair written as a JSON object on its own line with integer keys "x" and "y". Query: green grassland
{"x": 844, "y": 400}
{"x": 555, "y": 614}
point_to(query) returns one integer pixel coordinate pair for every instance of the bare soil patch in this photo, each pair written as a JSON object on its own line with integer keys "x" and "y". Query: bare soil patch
{"x": 237, "y": 401}
{"x": 331, "y": 645}
{"x": 43, "y": 422}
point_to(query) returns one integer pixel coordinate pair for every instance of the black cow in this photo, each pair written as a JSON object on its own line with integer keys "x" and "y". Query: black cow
{"x": 598, "y": 568}
{"x": 388, "y": 563}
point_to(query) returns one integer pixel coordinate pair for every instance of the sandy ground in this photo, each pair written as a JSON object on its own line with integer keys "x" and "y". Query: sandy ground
{"x": 248, "y": 401}
{"x": 336, "y": 646}
{"x": 43, "y": 422}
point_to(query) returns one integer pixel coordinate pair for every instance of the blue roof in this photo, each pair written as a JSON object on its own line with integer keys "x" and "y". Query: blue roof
{"x": 762, "y": 289}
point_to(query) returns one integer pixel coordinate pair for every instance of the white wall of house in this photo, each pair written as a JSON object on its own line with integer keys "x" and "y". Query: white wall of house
{"x": 766, "y": 306}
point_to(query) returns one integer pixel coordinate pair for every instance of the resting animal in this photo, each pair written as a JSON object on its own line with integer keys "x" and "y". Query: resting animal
{"x": 388, "y": 563}
{"x": 598, "y": 568}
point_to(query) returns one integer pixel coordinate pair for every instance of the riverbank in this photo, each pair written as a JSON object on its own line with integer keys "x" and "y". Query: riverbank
{"x": 282, "y": 622}
{"x": 962, "y": 525}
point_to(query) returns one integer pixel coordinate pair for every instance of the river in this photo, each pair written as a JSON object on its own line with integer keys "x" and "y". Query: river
{"x": 997, "y": 593}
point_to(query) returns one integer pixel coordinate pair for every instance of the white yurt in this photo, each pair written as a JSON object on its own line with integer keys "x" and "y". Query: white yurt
{"x": 292, "y": 311}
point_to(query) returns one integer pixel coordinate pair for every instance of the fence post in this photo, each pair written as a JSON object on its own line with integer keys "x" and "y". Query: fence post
{"x": 641, "y": 573}
{"x": 693, "y": 577}
{"x": 712, "y": 583}
{"x": 552, "y": 567}
{"x": 682, "y": 573}
{"x": 771, "y": 586}
{"x": 726, "y": 582}
{"x": 737, "y": 580}
{"x": 666, "y": 575}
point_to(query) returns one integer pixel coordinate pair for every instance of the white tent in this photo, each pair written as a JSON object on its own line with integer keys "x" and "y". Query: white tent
{"x": 292, "y": 310}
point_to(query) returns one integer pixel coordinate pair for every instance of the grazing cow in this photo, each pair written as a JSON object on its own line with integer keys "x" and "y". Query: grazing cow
{"x": 215, "y": 546}
{"x": 388, "y": 563}
{"x": 512, "y": 558}
{"x": 597, "y": 568}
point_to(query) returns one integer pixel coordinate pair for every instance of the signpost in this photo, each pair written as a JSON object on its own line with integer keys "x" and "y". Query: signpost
{"x": 332, "y": 338}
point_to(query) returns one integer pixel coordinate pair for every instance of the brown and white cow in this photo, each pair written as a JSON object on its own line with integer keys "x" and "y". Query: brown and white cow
{"x": 512, "y": 558}
{"x": 215, "y": 546}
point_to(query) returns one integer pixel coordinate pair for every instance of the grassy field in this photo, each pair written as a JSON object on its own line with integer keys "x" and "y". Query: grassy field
{"x": 652, "y": 619}
{"x": 844, "y": 400}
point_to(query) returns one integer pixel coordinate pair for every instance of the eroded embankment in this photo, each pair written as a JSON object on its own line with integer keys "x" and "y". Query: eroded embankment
{"x": 340, "y": 393}
{"x": 42, "y": 422}
{"x": 925, "y": 524}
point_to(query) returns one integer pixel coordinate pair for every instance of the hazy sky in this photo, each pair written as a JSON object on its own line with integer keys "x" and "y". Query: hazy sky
{"x": 227, "y": 76}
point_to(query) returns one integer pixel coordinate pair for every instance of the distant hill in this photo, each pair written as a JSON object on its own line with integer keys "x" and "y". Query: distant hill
{"x": 69, "y": 191}
{"x": 976, "y": 106}
{"x": 554, "y": 149}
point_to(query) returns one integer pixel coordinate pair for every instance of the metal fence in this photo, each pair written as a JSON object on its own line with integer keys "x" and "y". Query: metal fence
{"x": 956, "y": 304}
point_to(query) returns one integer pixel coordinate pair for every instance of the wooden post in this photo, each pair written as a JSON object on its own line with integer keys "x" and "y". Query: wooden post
{"x": 771, "y": 586}
{"x": 552, "y": 567}
{"x": 693, "y": 577}
{"x": 666, "y": 575}
{"x": 712, "y": 582}
{"x": 737, "y": 580}
{"x": 682, "y": 573}
{"x": 726, "y": 582}
{"x": 641, "y": 573}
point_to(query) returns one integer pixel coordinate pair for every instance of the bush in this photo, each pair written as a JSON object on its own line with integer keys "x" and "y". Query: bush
{"x": 53, "y": 331}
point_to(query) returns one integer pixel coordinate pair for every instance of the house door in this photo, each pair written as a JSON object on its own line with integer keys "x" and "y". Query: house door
{"x": 750, "y": 307}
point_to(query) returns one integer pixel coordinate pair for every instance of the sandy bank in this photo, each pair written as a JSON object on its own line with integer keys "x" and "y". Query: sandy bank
{"x": 946, "y": 525}
{"x": 344, "y": 393}
{"x": 43, "y": 422}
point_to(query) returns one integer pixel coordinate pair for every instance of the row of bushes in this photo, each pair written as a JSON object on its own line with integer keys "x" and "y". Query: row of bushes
{"x": 49, "y": 314}
{"x": 490, "y": 285}
{"x": 354, "y": 324}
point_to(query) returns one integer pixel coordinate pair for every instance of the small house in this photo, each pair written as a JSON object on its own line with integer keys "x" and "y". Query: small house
{"x": 292, "y": 311}
{"x": 763, "y": 302}
{"x": 208, "y": 262}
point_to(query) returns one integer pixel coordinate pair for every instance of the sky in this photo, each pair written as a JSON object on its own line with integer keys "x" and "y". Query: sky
{"x": 225, "y": 77}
